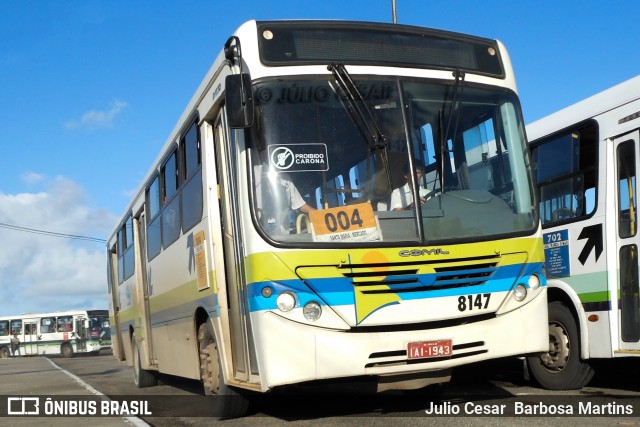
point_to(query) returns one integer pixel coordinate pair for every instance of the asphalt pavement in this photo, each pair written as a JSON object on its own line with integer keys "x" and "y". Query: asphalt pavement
{"x": 25, "y": 384}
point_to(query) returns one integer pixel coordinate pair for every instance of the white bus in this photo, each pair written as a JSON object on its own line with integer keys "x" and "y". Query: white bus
{"x": 586, "y": 157}
{"x": 63, "y": 333}
{"x": 266, "y": 246}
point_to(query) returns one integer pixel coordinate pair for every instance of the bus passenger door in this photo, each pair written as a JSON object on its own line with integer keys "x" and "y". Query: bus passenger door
{"x": 141, "y": 237}
{"x": 114, "y": 303}
{"x": 240, "y": 330}
{"x": 29, "y": 340}
{"x": 81, "y": 334}
{"x": 628, "y": 241}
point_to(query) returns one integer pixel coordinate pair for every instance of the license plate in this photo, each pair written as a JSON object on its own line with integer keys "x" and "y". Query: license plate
{"x": 426, "y": 349}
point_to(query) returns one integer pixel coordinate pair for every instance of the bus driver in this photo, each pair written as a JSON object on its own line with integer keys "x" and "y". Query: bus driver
{"x": 402, "y": 197}
{"x": 277, "y": 196}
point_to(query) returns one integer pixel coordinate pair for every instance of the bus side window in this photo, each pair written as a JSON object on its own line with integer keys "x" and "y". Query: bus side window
{"x": 65, "y": 324}
{"x": 566, "y": 173}
{"x": 191, "y": 178}
{"x": 16, "y": 327}
{"x": 125, "y": 251}
{"x": 170, "y": 203}
{"x": 154, "y": 233}
{"x": 48, "y": 325}
{"x": 4, "y": 328}
{"x": 627, "y": 223}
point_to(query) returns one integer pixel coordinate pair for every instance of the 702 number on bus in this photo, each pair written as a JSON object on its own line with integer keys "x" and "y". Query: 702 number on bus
{"x": 473, "y": 302}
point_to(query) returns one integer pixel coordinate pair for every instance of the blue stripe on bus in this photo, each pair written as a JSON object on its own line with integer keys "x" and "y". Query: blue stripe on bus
{"x": 341, "y": 290}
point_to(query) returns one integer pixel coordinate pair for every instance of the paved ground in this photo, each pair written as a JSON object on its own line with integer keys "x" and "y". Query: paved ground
{"x": 39, "y": 377}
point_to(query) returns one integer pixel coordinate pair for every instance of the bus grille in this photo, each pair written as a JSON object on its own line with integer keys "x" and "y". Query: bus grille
{"x": 420, "y": 276}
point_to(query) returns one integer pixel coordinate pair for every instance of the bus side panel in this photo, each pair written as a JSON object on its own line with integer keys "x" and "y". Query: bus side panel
{"x": 127, "y": 316}
{"x": 175, "y": 295}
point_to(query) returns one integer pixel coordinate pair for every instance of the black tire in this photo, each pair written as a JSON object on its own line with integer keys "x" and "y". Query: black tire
{"x": 226, "y": 401}
{"x": 141, "y": 377}
{"x": 561, "y": 368}
{"x": 66, "y": 350}
{"x": 5, "y": 353}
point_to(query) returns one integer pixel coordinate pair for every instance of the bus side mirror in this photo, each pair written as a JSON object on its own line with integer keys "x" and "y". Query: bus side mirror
{"x": 239, "y": 100}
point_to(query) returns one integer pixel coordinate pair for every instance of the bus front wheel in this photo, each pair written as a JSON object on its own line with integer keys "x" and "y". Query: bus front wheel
{"x": 66, "y": 350}
{"x": 227, "y": 402}
{"x": 561, "y": 368}
{"x": 4, "y": 353}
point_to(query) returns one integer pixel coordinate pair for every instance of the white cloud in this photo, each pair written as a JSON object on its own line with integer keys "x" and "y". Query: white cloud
{"x": 95, "y": 119}
{"x": 32, "y": 177}
{"x": 40, "y": 273}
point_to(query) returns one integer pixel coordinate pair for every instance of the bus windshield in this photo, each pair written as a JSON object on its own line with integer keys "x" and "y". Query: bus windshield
{"x": 463, "y": 145}
{"x": 99, "y": 327}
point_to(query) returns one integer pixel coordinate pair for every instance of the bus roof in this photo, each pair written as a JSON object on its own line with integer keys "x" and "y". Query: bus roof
{"x": 56, "y": 314}
{"x": 593, "y": 106}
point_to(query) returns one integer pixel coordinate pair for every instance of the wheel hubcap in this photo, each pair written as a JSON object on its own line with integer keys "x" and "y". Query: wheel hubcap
{"x": 559, "y": 351}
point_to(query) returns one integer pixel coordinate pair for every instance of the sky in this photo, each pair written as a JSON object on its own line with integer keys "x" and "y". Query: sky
{"x": 90, "y": 90}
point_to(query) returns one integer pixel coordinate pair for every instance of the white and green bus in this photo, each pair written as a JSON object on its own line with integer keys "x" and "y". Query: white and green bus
{"x": 585, "y": 159}
{"x": 63, "y": 333}
{"x": 264, "y": 247}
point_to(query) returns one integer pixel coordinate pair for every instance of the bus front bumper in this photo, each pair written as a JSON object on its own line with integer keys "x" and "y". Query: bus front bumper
{"x": 289, "y": 352}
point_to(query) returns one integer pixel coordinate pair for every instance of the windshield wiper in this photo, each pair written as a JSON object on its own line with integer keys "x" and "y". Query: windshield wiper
{"x": 353, "y": 94}
{"x": 444, "y": 136}
{"x": 375, "y": 138}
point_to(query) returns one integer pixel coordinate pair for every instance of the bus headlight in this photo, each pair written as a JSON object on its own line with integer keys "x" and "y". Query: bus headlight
{"x": 520, "y": 292}
{"x": 286, "y": 301}
{"x": 534, "y": 282}
{"x": 312, "y": 311}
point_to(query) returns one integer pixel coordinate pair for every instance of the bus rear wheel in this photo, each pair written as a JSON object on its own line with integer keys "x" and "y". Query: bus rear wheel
{"x": 141, "y": 377}
{"x": 227, "y": 402}
{"x": 561, "y": 367}
{"x": 4, "y": 353}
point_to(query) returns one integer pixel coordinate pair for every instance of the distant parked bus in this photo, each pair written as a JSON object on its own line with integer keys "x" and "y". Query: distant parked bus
{"x": 586, "y": 158}
{"x": 63, "y": 333}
